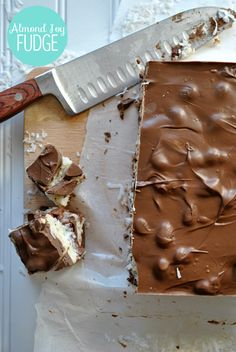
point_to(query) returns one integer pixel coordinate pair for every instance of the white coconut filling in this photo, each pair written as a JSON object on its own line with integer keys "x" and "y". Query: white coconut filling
{"x": 66, "y": 163}
{"x": 65, "y": 234}
{"x": 59, "y": 200}
{"x": 79, "y": 231}
{"x": 79, "y": 225}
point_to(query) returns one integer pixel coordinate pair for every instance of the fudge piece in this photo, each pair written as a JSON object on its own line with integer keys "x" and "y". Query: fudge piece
{"x": 184, "y": 228}
{"x": 52, "y": 240}
{"x": 55, "y": 175}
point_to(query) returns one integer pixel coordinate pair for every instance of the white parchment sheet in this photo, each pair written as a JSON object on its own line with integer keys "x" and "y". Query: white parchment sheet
{"x": 90, "y": 307}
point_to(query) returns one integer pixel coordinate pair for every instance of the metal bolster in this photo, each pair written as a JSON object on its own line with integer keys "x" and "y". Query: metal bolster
{"x": 49, "y": 83}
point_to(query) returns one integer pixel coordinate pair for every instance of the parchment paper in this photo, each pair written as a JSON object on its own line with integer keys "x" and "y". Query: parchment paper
{"x": 90, "y": 306}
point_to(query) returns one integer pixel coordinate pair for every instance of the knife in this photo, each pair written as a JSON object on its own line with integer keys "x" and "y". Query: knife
{"x": 94, "y": 77}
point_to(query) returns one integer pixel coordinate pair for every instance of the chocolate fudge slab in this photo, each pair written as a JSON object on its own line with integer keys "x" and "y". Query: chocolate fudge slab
{"x": 184, "y": 229}
{"x": 51, "y": 240}
{"x": 55, "y": 175}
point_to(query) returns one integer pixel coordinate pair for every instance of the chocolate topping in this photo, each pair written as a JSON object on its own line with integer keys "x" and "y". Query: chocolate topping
{"x": 44, "y": 168}
{"x": 185, "y": 218}
{"x": 63, "y": 188}
{"x": 73, "y": 171}
{"x": 34, "y": 248}
{"x": 107, "y": 136}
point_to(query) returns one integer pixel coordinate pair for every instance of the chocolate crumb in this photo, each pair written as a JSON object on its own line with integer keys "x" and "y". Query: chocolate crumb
{"x": 105, "y": 151}
{"x": 97, "y": 177}
{"x": 215, "y": 322}
{"x": 198, "y": 32}
{"x": 132, "y": 279}
{"x": 216, "y": 40}
{"x": 42, "y": 208}
{"x": 123, "y": 344}
{"x": 107, "y": 136}
{"x": 120, "y": 249}
{"x": 176, "y": 51}
{"x": 177, "y": 347}
{"x": 123, "y": 105}
{"x": 137, "y": 103}
{"x": 126, "y": 236}
{"x": 141, "y": 75}
{"x": 30, "y": 216}
{"x": 220, "y": 22}
{"x": 114, "y": 315}
{"x": 135, "y": 159}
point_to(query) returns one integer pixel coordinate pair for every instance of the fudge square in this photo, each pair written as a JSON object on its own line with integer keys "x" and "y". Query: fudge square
{"x": 184, "y": 229}
{"x": 55, "y": 175}
{"x": 51, "y": 240}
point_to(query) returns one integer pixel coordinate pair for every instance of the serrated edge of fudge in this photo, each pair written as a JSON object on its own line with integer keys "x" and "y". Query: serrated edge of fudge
{"x": 132, "y": 267}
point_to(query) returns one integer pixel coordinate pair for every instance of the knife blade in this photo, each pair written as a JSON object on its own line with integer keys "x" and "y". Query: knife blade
{"x": 94, "y": 77}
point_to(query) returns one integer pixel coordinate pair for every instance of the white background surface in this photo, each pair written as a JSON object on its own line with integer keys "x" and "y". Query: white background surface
{"x": 89, "y": 24}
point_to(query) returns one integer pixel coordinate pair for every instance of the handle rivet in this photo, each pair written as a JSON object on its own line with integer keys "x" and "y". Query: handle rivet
{"x": 18, "y": 97}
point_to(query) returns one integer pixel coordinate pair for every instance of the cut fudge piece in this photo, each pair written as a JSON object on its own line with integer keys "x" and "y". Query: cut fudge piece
{"x": 55, "y": 175}
{"x": 53, "y": 239}
{"x": 184, "y": 229}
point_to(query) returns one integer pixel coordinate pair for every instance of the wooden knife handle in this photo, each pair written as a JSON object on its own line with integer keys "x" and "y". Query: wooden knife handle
{"x": 15, "y": 99}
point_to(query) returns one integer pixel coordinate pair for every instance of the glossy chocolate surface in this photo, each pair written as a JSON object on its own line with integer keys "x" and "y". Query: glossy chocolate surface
{"x": 185, "y": 218}
{"x": 45, "y": 167}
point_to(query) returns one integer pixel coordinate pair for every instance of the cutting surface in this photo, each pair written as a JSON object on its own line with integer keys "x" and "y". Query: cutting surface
{"x": 65, "y": 132}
